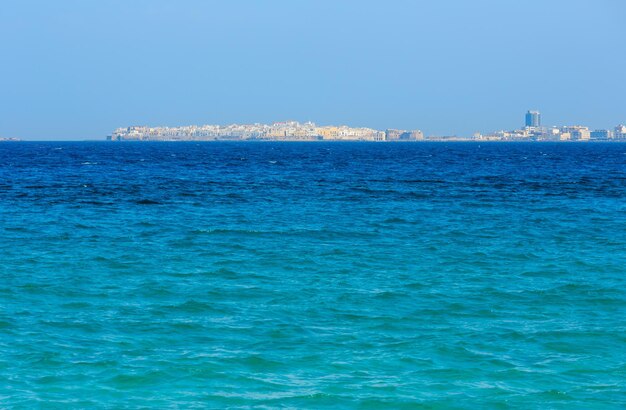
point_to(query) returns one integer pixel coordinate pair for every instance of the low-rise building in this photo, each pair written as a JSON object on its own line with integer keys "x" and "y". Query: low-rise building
{"x": 601, "y": 135}
{"x": 577, "y": 132}
{"x": 392, "y": 134}
{"x": 620, "y": 132}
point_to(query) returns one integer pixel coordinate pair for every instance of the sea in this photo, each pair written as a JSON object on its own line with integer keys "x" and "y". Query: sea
{"x": 312, "y": 275}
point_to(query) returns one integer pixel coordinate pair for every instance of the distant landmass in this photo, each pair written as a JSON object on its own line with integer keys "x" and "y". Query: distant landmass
{"x": 309, "y": 131}
{"x": 278, "y": 131}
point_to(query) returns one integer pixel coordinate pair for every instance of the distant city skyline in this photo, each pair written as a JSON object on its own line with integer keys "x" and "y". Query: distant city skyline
{"x": 77, "y": 70}
{"x": 310, "y": 131}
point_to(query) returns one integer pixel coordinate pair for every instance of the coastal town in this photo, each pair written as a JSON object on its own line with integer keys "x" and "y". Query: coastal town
{"x": 309, "y": 131}
{"x": 279, "y": 131}
{"x": 534, "y": 131}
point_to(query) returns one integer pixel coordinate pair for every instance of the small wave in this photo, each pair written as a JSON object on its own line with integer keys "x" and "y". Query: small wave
{"x": 395, "y": 221}
{"x": 147, "y": 202}
{"x": 192, "y": 306}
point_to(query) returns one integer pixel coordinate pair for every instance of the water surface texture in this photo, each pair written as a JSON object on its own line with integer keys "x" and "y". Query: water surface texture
{"x": 312, "y": 275}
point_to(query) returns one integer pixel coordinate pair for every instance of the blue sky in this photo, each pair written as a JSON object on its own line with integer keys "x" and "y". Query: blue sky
{"x": 78, "y": 69}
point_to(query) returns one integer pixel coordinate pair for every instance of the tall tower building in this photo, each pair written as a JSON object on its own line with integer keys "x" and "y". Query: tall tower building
{"x": 533, "y": 119}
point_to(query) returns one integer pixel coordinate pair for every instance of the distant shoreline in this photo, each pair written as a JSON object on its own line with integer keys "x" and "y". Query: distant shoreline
{"x": 425, "y": 141}
{"x": 326, "y": 141}
{"x": 310, "y": 131}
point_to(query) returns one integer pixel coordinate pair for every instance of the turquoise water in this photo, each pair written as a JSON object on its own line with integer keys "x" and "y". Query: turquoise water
{"x": 321, "y": 275}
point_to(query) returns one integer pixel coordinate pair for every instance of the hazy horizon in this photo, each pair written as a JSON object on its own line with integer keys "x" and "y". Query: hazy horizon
{"x": 76, "y": 70}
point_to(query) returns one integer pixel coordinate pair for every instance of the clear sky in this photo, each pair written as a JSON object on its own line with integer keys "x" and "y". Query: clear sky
{"x": 78, "y": 69}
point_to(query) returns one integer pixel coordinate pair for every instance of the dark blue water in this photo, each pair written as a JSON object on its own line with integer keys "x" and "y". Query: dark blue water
{"x": 312, "y": 275}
